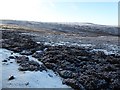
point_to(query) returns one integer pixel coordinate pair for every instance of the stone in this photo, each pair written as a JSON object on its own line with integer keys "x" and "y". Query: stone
{"x": 31, "y": 66}
{"x": 23, "y": 68}
{"x": 73, "y": 83}
{"x": 11, "y": 77}
{"x": 42, "y": 67}
{"x": 4, "y": 61}
{"x": 100, "y": 54}
{"x": 22, "y": 59}
{"x": 11, "y": 57}
{"x": 50, "y": 65}
{"x": 66, "y": 74}
{"x": 83, "y": 58}
{"x": 16, "y": 49}
{"x": 50, "y": 75}
{"x": 27, "y": 83}
{"x": 38, "y": 54}
{"x": 101, "y": 84}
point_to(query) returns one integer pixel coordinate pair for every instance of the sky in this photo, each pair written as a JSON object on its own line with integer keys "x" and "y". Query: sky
{"x": 103, "y": 12}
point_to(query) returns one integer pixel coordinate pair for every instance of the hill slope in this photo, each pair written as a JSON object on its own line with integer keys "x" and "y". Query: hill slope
{"x": 66, "y": 27}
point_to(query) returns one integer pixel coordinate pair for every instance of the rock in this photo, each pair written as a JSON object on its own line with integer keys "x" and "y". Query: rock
{"x": 16, "y": 49}
{"x": 73, "y": 83}
{"x": 42, "y": 67}
{"x": 115, "y": 85}
{"x": 82, "y": 68}
{"x": 66, "y": 74}
{"x": 50, "y": 65}
{"x": 35, "y": 63}
{"x": 117, "y": 65}
{"x": 83, "y": 58}
{"x": 27, "y": 66}
{"x": 5, "y": 64}
{"x": 21, "y": 59}
{"x": 27, "y": 83}
{"x": 113, "y": 60}
{"x": 23, "y": 68}
{"x": 84, "y": 53}
{"x": 54, "y": 52}
{"x": 8, "y": 59}
{"x": 11, "y": 57}
{"x": 109, "y": 67}
{"x": 26, "y": 52}
{"x": 71, "y": 68}
{"x": 101, "y": 84}
{"x": 4, "y": 61}
{"x": 31, "y": 66}
{"x": 100, "y": 54}
{"x": 117, "y": 55}
{"x": 38, "y": 54}
{"x": 11, "y": 77}
{"x": 82, "y": 63}
{"x": 50, "y": 75}
{"x": 51, "y": 60}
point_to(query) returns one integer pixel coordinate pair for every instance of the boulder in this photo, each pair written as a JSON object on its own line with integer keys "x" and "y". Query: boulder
{"x": 11, "y": 77}
{"x": 50, "y": 65}
{"x": 83, "y": 58}
{"x": 74, "y": 84}
{"x": 4, "y": 61}
{"x": 21, "y": 59}
{"x": 11, "y": 57}
{"x": 38, "y": 54}
{"x": 66, "y": 74}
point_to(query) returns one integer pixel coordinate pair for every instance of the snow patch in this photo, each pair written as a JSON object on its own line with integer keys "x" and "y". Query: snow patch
{"x": 103, "y": 50}
{"x": 26, "y": 79}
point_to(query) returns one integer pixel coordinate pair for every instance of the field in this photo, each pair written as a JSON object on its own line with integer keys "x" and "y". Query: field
{"x": 81, "y": 56}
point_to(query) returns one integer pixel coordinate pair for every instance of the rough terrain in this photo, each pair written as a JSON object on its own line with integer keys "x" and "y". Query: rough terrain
{"x": 87, "y": 61}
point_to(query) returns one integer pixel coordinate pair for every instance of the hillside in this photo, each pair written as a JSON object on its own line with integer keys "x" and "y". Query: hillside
{"x": 78, "y": 56}
{"x": 65, "y": 27}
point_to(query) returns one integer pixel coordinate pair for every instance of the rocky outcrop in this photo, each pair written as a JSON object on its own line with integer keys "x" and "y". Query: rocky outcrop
{"x": 80, "y": 68}
{"x": 17, "y": 42}
{"x": 92, "y": 70}
{"x": 27, "y": 65}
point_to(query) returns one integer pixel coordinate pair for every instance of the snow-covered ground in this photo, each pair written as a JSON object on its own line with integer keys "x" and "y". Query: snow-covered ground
{"x": 67, "y": 43}
{"x": 26, "y": 79}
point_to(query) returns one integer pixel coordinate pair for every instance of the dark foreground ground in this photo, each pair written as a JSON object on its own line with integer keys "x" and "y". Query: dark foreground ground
{"x": 80, "y": 67}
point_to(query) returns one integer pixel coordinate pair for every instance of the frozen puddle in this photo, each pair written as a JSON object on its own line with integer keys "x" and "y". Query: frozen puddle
{"x": 26, "y": 79}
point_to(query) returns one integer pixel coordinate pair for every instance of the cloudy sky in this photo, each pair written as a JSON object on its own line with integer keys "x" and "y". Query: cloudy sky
{"x": 100, "y": 12}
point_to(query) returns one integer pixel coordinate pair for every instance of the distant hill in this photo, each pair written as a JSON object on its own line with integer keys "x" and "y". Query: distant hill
{"x": 65, "y": 27}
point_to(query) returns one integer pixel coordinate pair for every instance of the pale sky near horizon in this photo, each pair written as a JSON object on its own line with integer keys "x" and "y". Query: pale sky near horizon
{"x": 105, "y": 13}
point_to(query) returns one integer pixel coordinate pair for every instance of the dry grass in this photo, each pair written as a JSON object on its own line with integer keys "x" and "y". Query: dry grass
{"x": 26, "y": 29}
{"x": 6, "y": 26}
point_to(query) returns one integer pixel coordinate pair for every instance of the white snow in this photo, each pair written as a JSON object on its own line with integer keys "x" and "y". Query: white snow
{"x": 82, "y": 45}
{"x": 32, "y": 34}
{"x": 34, "y": 79}
{"x": 103, "y": 50}
{"x": 68, "y": 44}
